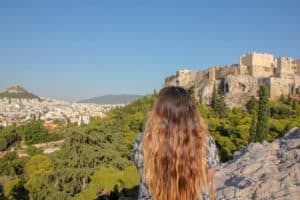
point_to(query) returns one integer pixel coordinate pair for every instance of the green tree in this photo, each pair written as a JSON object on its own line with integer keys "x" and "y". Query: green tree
{"x": 281, "y": 99}
{"x": 218, "y": 104}
{"x": 262, "y": 130}
{"x": 2, "y": 197}
{"x": 252, "y": 130}
{"x": 34, "y": 132}
{"x": 37, "y": 169}
{"x": 191, "y": 92}
{"x": 8, "y": 136}
{"x": 252, "y": 105}
{"x": 38, "y": 164}
{"x": 294, "y": 104}
{"x": 11, "y": 165}
{"x": 3, "y": 143}
{"x": 14, "y": 190}
{"x": 289, "y": 100}
{"x": 214, "y": 97}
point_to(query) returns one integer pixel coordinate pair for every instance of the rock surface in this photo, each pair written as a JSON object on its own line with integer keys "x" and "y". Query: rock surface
{"x": 262, "y": 171}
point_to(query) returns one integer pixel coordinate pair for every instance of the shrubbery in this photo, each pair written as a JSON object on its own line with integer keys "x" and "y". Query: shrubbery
{"x": 7, "y": 137}
{"x": 33, "y": 132}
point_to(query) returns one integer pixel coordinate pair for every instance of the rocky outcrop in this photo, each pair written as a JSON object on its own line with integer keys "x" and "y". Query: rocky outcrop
{"x": 262, "y": 171}
{"x": 239, "y": 89}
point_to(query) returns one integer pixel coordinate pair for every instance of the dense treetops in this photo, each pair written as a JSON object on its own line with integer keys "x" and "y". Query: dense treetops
{"x": 96, "y": 159}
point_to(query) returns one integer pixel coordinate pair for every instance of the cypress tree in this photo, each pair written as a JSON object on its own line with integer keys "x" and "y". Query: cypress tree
{"x": 262, "y": 130}
{"x": 252, "y": 105}
{"x": 294, "y": 104}
{"x": 218, "y": 104}
{"x": 252, "y": 130}
{"x": 289, "y": 100}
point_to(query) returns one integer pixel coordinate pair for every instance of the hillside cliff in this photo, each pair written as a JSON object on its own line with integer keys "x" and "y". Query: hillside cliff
{"x": 262, "y": 171}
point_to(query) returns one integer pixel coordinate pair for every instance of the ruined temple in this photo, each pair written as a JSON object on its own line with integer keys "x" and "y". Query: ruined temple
{"x": 238, "y": 82}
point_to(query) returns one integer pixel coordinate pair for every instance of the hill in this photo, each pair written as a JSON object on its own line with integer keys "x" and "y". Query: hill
{"x": 262, "y": 171}
{"x": 113, "y": 99}
{"x": 17, "y": 92}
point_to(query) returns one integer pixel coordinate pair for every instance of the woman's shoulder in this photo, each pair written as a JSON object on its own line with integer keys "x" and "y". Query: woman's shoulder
{"x": 138, "y": 155}
{"x": 138, "y": 142}
{"x": 212, "y": 152}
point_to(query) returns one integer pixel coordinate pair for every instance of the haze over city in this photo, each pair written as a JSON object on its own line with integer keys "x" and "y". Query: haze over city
{"x": 73, "y": 50}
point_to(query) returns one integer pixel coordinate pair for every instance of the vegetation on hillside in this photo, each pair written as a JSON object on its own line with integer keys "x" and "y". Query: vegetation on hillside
{"x": 96, "y": 159}
{"x": 17, "y": 95}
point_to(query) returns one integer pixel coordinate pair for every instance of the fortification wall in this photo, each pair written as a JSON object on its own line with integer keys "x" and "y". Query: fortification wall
{"x": 260, "y": 64}
{"x": 283, "y": 86}
{"x": 261, "y": 59}
{"x": 185, "y": 78}
{"x": 223, "y": 71}
{"x": 297, "y": 64}
{"x": 243, "y": 70}
{"x": 286, "y": 66}
{"x": 246, "y": 59}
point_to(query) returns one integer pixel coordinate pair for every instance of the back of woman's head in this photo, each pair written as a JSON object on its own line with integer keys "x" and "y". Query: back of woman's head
{"x": 174, "y": 147}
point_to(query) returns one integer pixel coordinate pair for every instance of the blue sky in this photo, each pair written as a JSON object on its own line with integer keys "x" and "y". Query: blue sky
{"x": 76, "y": 49}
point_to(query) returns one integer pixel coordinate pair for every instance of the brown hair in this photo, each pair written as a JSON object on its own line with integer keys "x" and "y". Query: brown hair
{"x": 175, "y": 163}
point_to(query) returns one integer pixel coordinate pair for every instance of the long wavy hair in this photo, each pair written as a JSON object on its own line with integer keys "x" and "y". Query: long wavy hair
{"x": 174, "y": 142}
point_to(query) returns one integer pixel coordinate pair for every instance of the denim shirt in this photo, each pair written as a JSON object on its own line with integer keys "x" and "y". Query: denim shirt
{"x": 144, "y": 194}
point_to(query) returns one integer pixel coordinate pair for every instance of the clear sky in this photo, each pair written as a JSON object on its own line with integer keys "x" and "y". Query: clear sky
{"x": 77, "y": 49}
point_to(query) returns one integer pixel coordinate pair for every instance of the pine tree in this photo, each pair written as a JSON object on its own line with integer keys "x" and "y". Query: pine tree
{"x": 262, "y": 130}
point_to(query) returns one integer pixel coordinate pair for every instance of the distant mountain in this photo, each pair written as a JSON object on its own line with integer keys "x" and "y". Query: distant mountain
{"x": 17, "y": 92}
{"x": 113, "y": 99}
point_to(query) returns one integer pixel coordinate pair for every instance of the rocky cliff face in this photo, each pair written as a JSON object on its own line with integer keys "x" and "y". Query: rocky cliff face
{"x": 262, "y": 171}
{"x": 237, "y": 88}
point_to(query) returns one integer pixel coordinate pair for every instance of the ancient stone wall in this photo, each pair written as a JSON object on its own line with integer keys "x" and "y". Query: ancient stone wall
{"x": 286, "y": 66}
{"x": 246, "y": 59}
{"x": 260, "y": 65}
{"x": 243, "y": 70}
{"x": 262, "y": 59}
{"x": 283, "y": 86}
{"x": 297, "y": 64}
{"x": 212, "y": 73}
{"x": 185, "y": 78}
{"x": 223, "y": 71}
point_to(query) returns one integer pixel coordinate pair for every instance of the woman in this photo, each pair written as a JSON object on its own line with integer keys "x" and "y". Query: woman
{"x": 175, "y": 157}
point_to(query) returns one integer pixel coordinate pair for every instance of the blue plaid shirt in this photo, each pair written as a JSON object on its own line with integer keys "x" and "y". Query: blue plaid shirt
{"x": 212, "y": 161}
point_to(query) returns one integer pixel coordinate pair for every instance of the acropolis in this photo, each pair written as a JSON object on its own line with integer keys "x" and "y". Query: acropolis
{"x": 238, "y": 82}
